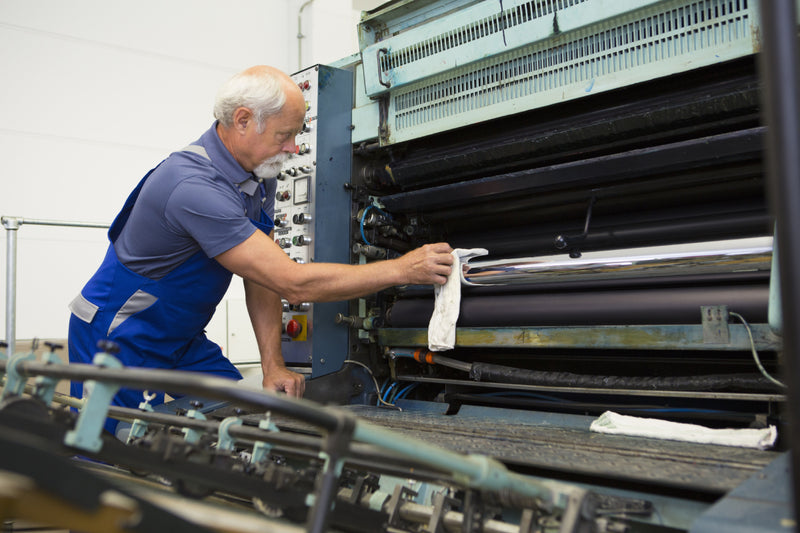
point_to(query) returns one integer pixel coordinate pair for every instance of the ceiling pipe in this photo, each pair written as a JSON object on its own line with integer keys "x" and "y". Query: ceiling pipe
{"x": 300, "y": 35}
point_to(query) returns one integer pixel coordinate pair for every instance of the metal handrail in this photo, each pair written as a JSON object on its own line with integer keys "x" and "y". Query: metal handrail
{"x": 12, "y": 225}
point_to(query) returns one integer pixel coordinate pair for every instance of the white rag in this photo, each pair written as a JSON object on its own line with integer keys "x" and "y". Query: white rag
{"x": 447, "y": 300}
{"x": 615, "y": 423}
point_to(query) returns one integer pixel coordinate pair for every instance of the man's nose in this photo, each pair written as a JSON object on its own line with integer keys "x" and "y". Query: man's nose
{"x": 290, "y": 146}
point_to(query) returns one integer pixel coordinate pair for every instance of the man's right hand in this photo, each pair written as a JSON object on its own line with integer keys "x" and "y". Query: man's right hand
{"x": 428, "y": 264}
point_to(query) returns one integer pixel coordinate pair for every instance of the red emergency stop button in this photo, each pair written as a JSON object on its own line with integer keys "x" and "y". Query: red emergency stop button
{"x": 294, "y": 328}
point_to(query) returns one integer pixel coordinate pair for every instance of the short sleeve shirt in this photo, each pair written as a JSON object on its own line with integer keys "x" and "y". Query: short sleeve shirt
{"x": 198, "y": 199}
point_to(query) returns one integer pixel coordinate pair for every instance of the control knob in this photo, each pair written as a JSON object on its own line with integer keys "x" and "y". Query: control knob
{"x": 301, "y": 240}
{"x": 301, "y": 218}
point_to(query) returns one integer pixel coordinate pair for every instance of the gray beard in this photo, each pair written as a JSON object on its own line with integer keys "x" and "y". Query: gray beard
{"x": 271, "y": 167}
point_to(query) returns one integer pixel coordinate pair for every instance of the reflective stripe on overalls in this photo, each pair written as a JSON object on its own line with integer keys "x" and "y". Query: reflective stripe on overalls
{"x": 156, "y": 323}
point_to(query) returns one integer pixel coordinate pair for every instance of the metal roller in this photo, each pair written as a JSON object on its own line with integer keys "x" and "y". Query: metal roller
{"x": 672, "y": 305}
{"x": 718, "y": 257}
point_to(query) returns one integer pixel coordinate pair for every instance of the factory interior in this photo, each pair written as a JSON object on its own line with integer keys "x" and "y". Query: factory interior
{"x": 612, "y": 352}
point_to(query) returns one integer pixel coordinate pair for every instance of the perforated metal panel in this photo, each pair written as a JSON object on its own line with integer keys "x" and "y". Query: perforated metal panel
{"x": 482, "y": 28}
{"x": 566, "y": 56}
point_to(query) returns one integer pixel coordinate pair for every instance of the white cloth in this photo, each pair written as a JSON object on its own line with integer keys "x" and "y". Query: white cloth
{"x": 447, "y": 300}
{"x": 615, "y": 423}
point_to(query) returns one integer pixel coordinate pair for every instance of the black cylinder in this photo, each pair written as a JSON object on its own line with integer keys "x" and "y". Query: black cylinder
{"x": 675, "y": 305}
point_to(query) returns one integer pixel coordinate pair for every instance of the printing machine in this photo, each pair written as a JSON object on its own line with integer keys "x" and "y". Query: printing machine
{"x": 609, "y": 156}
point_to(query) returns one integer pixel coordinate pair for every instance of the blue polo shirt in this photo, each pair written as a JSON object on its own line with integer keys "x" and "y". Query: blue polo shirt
{"x": 189, "y": 203}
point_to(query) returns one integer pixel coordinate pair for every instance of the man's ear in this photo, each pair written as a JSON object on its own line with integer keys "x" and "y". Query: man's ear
{"x": 242, "y": 116}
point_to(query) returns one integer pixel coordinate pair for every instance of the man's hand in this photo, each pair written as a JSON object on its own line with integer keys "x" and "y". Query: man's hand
{"x": 428, "y": 264}
{"x": 282, "y": 379}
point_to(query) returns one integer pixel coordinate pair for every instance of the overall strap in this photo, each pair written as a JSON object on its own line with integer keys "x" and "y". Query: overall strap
{"x": 124, "y": 214}
{"x": 122, "y": 217}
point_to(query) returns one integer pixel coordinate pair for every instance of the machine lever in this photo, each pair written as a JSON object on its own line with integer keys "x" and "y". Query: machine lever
{"x": 380, "y": 78}
{"x": 571, "y": 241}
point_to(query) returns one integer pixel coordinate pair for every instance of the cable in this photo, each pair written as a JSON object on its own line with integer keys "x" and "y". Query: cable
{"x": 364, "y": 216}
{"x": 375, "y": 381}
{"x": 400, "y": 395}
{"x": 389, "y": 391}
{"x": 753, "y": 350}
{"x": 384, "y": 385}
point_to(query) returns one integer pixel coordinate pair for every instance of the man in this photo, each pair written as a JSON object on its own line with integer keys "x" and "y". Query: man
{"x": 202, "y": 214}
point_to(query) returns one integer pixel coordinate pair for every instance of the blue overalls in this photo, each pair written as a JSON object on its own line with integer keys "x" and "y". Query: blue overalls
{"x": 156, "y": 323}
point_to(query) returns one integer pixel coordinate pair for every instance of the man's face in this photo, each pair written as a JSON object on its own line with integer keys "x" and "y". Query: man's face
{"x": 269, "y": 149}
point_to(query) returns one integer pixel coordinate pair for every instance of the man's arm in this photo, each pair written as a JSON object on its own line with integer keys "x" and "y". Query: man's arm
{"x": 264, "y": 308}
{"x": 260, "y": 260}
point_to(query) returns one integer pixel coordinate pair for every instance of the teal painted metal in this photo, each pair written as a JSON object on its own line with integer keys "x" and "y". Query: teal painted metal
{"x": 139, "y": 426}
{"x": 15, "y": 384}
{"x": 261, "y": 449}
{"x": 86, "y": 435}
{"x": 44, "y": 387}
{"x": 468, "y": 35}
{"x": 224, "y": 440}
{"x": 192, "y": 436}
{"x": 401, "y": 15}
{"x": 763, "y": 503}
{"x": 656, "y": 337}
{"x": 475, "y": 64}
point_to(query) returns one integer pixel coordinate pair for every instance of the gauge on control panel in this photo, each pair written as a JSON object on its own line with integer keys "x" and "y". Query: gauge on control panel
{"x": 301, "y": 186}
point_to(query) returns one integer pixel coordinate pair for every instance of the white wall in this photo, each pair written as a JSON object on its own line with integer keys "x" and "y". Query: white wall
{"x": 96, "y": 92}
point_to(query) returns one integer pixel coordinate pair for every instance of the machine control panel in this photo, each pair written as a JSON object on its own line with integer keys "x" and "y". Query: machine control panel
{"x": 311, "y": 209}
{"x": 294, "y": 199}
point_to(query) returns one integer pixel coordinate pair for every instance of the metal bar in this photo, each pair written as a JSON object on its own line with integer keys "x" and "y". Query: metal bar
{"x": 718, "y": 257}
{"x": 659, "y": 337}
{"x": 12, "y": 225}
{"x": 60, "y": 223}
{"x": 184, "y": 382}
{"x": 774, "y": 311}
{"x": 745, "y": 397}
{"x": 781, "y": 99}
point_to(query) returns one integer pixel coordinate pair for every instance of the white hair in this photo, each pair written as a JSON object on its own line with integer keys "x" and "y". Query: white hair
{"x": 260, "y": 92}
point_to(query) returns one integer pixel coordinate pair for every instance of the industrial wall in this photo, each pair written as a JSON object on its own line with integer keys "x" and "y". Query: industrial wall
{"x": 95, "y": 92}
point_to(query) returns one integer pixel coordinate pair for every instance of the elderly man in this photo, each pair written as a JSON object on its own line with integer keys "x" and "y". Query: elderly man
{"x": 202, "y": 214}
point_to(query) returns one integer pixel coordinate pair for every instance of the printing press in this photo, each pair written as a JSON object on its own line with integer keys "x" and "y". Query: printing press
{"x": 608, "y": 159}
